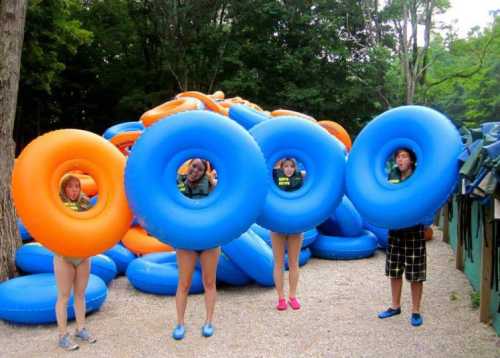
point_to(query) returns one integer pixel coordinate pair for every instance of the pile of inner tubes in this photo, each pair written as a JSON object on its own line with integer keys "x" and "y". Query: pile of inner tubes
{"x": 344, "y": 208}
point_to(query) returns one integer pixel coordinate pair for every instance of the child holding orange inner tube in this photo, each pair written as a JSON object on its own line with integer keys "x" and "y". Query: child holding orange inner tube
{"x": 72, "y": 273}
{"x": 288, "y": 178}
{"x": 196, "y": 184}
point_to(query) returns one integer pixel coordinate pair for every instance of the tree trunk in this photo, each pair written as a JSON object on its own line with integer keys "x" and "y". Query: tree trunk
{"x": 12, "y": 19}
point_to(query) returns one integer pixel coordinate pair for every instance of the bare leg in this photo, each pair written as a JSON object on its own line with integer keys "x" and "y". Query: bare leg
{"x": 294, "y": 245}
{"x": 416, "y": 295}
{"x": 278, "y": 243}
{"x": 81, "y": 281}
{"x": 396, "y": 287}
{"x": 209, "y": 259}
{"x": 65, "y": 274}
{"x": 186, "y": 260}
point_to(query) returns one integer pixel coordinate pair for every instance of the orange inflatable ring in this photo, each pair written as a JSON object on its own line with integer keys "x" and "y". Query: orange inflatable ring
{"x": 286, "y": 112}
{"x": 124, "y": 140}
{"x": 87, "y": 183}
{"x": 207, "y": 101}
{"x": 36, "y": 197}
{"x": 168, "y": 108}
{"x": 338, "y": 132}
{"x": 139, "y": 242}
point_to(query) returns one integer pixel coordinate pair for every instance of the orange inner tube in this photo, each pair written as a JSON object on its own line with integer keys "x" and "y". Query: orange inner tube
{"x": 139, "y": 242}
{"x": 210, "y": 103}
{"x": 37, "y": 201}
{"x": 286, "y": 112}
{"x": 168, "y": 108}
{"x": 338, "y": 132}
{"x": 124, "y": 140}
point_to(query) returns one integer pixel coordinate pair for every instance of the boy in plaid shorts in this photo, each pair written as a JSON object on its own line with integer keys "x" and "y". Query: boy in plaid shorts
{"x": 406, "y": 250}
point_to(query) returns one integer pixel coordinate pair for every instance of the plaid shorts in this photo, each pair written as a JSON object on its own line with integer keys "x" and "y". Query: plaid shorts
{"x": 406, "y": 253}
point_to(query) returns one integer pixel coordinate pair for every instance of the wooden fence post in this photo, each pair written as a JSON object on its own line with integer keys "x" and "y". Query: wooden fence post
{"x": 460, "y": 247}
{"x": 446, "y": 223}
{"x": 486, "y": 268}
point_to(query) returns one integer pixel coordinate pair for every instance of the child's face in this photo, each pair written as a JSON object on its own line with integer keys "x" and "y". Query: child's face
{"x": 195, "y": 171}
{"x": 289, "y": 168}
{"x": 403, "y": 161}
{"x": 72, "y": 190}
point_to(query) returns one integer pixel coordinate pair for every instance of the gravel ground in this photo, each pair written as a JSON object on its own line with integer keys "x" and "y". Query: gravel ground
{"x": 339, "y": 319}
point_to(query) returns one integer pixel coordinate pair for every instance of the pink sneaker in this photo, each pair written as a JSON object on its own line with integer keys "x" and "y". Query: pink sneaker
{"x": 294, "y": 303}
{"x": 281, "y": 306}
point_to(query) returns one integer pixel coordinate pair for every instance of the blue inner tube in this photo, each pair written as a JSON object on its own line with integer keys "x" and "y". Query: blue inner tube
{"x": 304, "y": 256}
{"x": 246, "y": 116}
{"x": 121, "y": 256}
{"x": 344, "y": 248}
{"x": 264, "y": 234}
{"x": 346, "y": 221}
{"x": 253, "y": 256}
{"x": 228, "y": 272}
{"x": 122, "y": 127}
{"x": 32, "y": 299}
{"x": 381, "y": 233}
{"x": 324, "y": 161}
{"x": 235, "y": 203}
{"x": 34, "y": 258}
{"x": 159, "y": 277}
{"x": 25, "y": 235}
{"x": 161, "y": 257}
{"x": 437, "y": 145}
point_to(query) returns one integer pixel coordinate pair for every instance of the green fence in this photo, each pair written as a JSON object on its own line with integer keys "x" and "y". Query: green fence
{"x": 474, "y": 259}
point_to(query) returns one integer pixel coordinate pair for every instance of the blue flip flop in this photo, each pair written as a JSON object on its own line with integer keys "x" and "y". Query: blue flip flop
{"x": 389, "y": 313}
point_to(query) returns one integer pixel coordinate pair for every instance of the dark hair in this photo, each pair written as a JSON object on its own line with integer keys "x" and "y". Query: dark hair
{"x": 410, "y": 152}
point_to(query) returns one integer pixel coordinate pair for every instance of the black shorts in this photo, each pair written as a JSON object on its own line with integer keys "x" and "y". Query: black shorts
{"x": 406, "y": 253}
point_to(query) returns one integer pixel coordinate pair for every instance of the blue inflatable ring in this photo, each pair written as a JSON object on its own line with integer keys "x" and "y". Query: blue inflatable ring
{"x": 346, "y": 221}
{"x": 324, "y": 161}
{"x": 158, "y": 275}
{"x": 381, "y": 234}
{"x": 246, "y": 116}
{"x": 25, "y": 235}
{"x": 122, "y": 127}
{"x": 437, "y": 145}
{"x": 196, "y": 224}
{"x": 253, "y": 256}
{"x": 228, "y": 272}
{"x": 35, "y": 258}
{"x": 344, "y": 248}
{"x": 121, "y": 256}
{"x": 32, "y": 299}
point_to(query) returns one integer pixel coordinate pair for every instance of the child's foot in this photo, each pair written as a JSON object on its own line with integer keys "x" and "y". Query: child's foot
{"x": 207, "y": 330}
{"x": 66, "y": 343}
{"x": 85, "y": 336}
{"x": 281, "y": 306}
{"x": 416, "y": 319}
{"x": 294, "y": 303}
{"x": 389, "y": 312}
{"x": 178, "y": 332}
